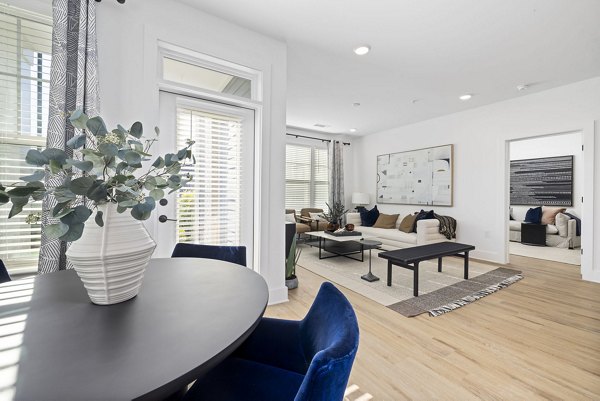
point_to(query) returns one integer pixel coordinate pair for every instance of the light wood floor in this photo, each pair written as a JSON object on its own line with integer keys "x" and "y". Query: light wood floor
{"x": 537, "y": 339}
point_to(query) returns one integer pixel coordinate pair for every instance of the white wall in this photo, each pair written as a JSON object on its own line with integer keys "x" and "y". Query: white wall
{"x": 480, "y": 167}
{"x": 549, "y": 146}
{"x": 128, "y": 61}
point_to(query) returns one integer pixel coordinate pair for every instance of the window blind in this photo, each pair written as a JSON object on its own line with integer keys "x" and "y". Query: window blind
{"x": 209, "y": 207}
{"x": 25, "y": 56}
{"x": 306, "y": 177}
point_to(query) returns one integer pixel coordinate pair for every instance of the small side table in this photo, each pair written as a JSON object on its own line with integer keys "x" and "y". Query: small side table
{"x": 370, "y": 244}
{"x": 533, "y": 234}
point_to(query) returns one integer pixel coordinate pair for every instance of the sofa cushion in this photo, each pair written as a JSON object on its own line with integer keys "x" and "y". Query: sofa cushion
{"x": 369, "y": 217}
{"x": 423, "y": 215}
{"x": 389, "y": 234}
{"x": 386, "y": 221}
{"x": 316, "y": 216}
{"x": 562, "y": 224}
{"x": 549, "y": 214}
{"x": 514, "y": 225}
{"x": 534, "y": 215}
{"x": 407, "y": 223}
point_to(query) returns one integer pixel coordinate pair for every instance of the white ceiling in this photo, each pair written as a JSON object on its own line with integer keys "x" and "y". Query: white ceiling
{"x": 430, "y": 50}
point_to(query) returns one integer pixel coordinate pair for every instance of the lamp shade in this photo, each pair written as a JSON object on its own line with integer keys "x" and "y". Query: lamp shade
{"x": 359, "y": 198}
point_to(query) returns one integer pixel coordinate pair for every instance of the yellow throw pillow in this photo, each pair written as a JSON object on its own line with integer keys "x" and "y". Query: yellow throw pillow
{"x": 407, "y": 223}
{"x": 386, "y": 221}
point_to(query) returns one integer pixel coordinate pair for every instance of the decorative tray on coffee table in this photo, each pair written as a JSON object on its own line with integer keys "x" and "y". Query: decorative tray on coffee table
{"x": 345, "y": 233}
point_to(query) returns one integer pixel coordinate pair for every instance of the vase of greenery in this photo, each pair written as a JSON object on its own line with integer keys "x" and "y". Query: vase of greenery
{"x": 102, "y": 202}
{"x": 334, "y": 215}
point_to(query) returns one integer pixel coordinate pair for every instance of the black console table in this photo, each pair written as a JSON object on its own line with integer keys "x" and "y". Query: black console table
{"x": 533, "y": 234}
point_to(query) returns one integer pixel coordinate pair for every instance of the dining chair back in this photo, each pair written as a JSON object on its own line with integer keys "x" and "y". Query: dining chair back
{"x": 4, "y": 276}
{"x": 233, "y": 254}
{"x": 288, "y": 360}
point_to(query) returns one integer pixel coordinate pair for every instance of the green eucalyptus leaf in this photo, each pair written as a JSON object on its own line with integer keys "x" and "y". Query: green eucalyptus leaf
{"x": 175, "y": 168}
{"x": 97, "y": 191}
{"x": 142, "y": 211}
{"x": 79, "y": 215}
{"x": 77, "y": 141}
{"x": 121, "y": 129}
{"x": 18, "y": 192}
{"x": 108, "y": 149}
{"x": 36, "y": 158}
{"x": 133, "y": 158}
{"x": 57, "y": 155}
{"x": 4, "y": 198}
{"x": 160, "y": 182}
{"x": 121, "y": 209}
{"x": 36, "y": 184}
{"x": 54, "y": 231}
{"x": 170, "y": 158}
{"x": 63, "y": 194}
{"x": 36, "y": 176}
{"x": 83, "y": 165}
{"x": 55, "y": 167}
{"x": 38, "y": 195}
{"x": 15, "y": 209}
{"x": 174, "y": 181}
{"x": 121, "y": 167}
{"x": 136, "y": 130}
{"x": 81, "y": 185}
{"x": 182, "y": 153}
{"x": 128, "y": 203}
{"x": 96, "y": 126}
{"x": 157, "y": 194}
{"x": 63, "y": 213}
{"x": 157, "y": 131}
{"x": 74, "y": 233}
{"x": 159, "y": 162}
{"x": 78, "y": 119}
{"x": 98, "y": 219}
{"x": 150, "y": 183}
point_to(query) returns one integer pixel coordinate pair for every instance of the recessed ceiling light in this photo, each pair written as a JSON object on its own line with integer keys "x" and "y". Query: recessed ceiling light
{"x": 466, "y": 96}
{"x": 352, "y": 129}
{"x": 362, "y": 50}
{"x": 356, "y": 104}
{"x": 522, "y": 87}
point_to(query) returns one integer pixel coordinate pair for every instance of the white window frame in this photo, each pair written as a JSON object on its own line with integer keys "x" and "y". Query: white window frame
{"x": 312, "y": 182}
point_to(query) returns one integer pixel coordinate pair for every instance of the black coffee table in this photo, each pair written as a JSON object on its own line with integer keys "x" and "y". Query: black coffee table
{"x": 409, "y": 258}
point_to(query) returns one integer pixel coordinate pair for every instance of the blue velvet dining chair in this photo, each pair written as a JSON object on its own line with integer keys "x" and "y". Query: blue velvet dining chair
{"x": 233, "y": 254}
{"x": 4, "y": 277}
{"x": 285, "y": 360}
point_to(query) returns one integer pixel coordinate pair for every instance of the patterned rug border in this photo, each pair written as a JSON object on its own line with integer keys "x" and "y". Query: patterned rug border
{"x": 415, "y": 306}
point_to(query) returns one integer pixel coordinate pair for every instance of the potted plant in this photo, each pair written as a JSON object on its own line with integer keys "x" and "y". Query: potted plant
{"x": 334, "y": 215}
{"x": 291, "y": 281}
{"x": 110, "y": 250}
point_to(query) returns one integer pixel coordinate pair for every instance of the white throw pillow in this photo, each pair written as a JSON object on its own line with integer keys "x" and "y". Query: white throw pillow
{"x": 562, "y": 224}
{"x": 315, "y": 216}
{"x": 290, "y": 218}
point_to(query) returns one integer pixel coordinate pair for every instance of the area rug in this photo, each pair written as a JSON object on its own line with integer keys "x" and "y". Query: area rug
{"x": 448, "y": 289}
{"x": 562, "y": 255}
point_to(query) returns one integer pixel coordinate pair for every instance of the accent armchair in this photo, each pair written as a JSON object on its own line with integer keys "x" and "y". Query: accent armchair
{"x": 233, "y": 254}
{"x": 284, "y": 360}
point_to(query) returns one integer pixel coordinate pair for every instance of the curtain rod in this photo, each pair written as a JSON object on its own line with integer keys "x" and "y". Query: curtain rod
{"x": 315, "y": 138}
{"x": 118, "y": 1}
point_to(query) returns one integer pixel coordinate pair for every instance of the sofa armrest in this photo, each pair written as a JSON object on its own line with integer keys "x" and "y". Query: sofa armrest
{"x": 428, "y": 232}
{"x": 571, "y": 228}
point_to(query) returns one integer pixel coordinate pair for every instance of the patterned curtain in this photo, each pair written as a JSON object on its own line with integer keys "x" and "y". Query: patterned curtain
{"x": 73, "y": 85}
{"x": 336, "y": 172}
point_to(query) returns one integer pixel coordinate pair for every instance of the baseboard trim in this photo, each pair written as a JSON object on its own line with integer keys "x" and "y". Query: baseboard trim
{"x": 278, "y": 295}
{"x": 590, "y": 275}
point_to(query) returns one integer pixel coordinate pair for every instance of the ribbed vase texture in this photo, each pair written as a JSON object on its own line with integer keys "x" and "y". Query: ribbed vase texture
{"x": 111, "y": 260}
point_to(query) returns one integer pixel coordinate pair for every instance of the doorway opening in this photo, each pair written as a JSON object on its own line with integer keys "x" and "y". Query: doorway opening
{"x": 545, "y": 202}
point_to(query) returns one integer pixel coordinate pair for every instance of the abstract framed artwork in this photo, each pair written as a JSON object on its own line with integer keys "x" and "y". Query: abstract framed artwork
{"x": 416, "y": 177}
{"x": 543, "y": 181}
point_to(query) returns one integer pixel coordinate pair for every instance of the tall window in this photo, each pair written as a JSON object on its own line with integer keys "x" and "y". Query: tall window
{"x": 306, "y": 178}
{"x": 25, "y": 49}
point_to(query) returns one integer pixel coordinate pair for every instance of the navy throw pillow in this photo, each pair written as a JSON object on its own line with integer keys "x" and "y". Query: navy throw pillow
{"x": 423, "y": 215}
{"x": 369, "y": 217}
{"x": 534, "y": 215}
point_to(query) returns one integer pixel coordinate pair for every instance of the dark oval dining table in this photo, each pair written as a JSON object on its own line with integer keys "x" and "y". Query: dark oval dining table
{"x": 189, "y": 315}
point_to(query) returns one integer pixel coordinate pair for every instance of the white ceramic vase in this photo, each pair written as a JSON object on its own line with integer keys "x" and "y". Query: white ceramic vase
{"x": 111, "y": 260}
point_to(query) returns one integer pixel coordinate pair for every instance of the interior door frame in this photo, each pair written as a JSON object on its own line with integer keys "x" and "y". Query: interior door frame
{"x": 588, "y": 269}
{"x": 256, "y": 108}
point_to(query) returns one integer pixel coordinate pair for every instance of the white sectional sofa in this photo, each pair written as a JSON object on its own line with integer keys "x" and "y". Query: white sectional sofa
{"x": 427, "y": 232}
{"x": 561, "y": 235}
